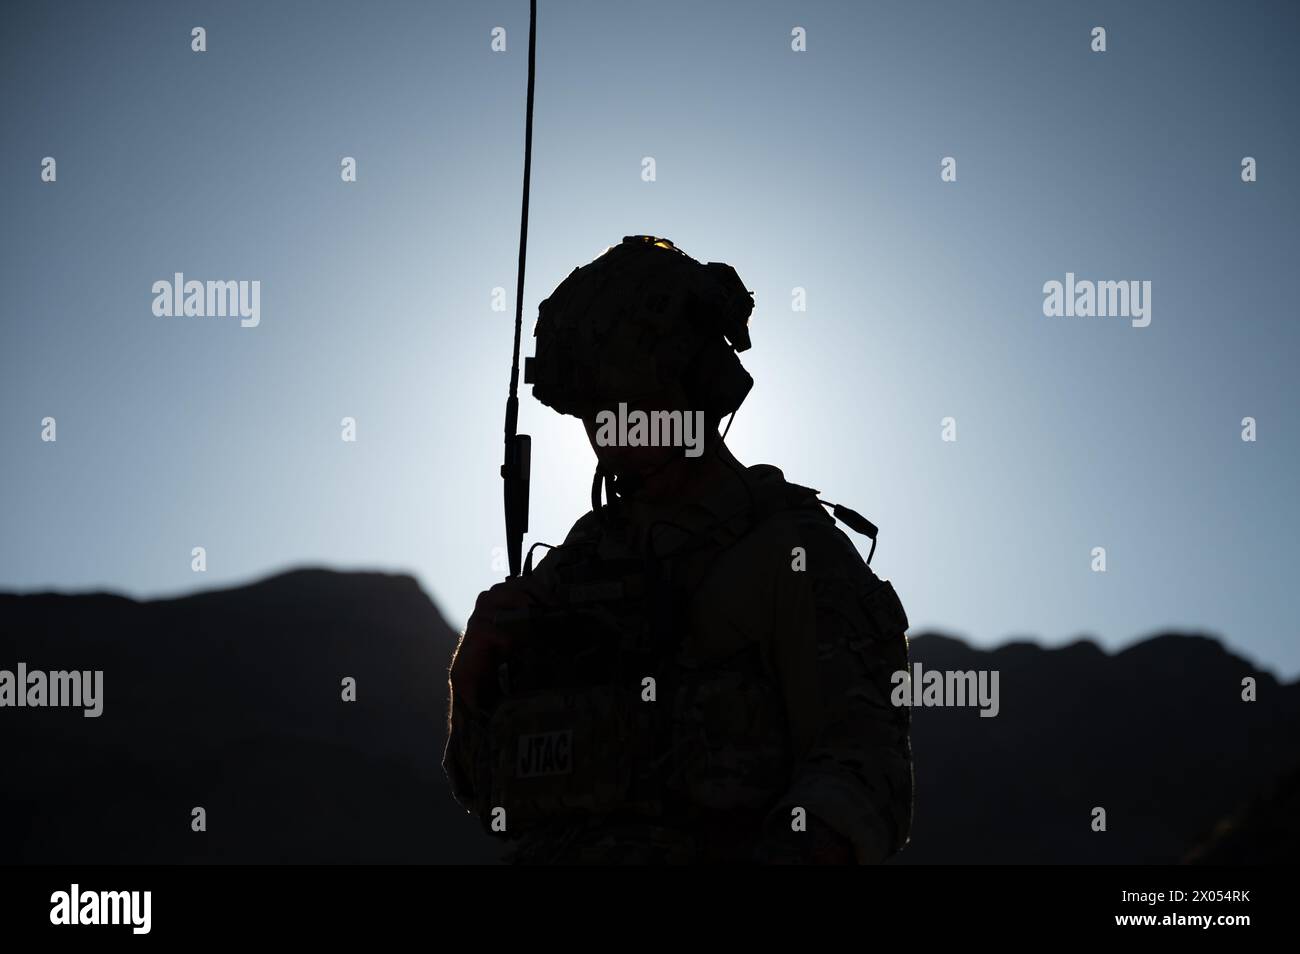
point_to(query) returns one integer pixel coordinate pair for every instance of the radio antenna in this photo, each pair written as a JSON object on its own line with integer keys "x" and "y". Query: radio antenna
{"x": 518, "y": 447}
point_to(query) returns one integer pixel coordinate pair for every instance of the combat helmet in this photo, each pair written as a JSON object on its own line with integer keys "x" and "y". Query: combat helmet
{"x": 641, "y": 317}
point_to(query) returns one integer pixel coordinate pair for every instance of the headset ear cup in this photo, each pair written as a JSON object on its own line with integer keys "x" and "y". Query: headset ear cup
{"x": 735, "y": 304}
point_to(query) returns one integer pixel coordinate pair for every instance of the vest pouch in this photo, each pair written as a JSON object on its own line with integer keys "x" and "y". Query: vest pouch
{"x": 567, "y": 753}
{"x": 730, "y": 739}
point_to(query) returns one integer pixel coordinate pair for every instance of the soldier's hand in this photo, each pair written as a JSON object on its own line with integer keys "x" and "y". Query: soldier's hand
{"x": 486, "y": 644}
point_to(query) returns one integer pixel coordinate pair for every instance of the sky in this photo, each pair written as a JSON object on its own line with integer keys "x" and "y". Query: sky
{"x": 818, "y": 169}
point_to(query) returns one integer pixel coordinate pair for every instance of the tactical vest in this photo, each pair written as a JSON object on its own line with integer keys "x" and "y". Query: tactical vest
{"x": 599, "y": 716}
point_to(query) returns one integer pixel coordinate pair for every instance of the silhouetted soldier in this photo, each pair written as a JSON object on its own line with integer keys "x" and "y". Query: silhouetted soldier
{"x": 701, "y": 672}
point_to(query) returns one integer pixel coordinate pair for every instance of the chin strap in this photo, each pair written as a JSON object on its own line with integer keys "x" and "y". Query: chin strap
{"x": 608, "y": 489}
{"x": 597, "y": 480}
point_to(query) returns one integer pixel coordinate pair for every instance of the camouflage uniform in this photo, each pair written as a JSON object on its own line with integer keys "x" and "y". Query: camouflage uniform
{"x": 692, "y": 674}
{"x": 776, "y": 695}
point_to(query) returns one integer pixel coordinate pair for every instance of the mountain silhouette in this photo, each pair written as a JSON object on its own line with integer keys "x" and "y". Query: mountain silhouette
{"x": 232, "y": 700}
{"x": 1156, "y": 735}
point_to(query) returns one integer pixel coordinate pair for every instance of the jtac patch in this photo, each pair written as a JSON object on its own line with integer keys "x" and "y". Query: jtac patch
{"x": 546, "y": 753}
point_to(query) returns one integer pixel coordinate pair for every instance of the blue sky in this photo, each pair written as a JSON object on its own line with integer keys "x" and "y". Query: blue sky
{"x": 817, "y": 170}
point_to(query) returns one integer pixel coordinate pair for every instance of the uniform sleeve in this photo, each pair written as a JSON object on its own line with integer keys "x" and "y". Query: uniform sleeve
{"x": 840, "y": 639}
{"x": 465, "y": 748}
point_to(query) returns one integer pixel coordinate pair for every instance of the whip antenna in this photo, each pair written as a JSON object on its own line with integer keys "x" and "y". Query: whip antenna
{"x": 518, "y": 447}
